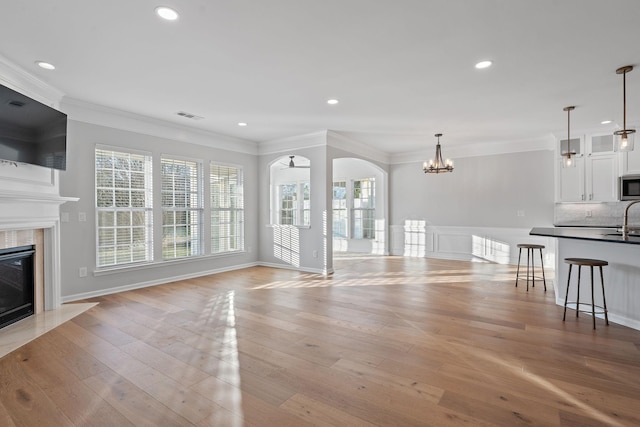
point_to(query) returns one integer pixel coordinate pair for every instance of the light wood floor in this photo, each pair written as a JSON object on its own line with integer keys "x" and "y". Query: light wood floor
{"x": 384, "y": 341}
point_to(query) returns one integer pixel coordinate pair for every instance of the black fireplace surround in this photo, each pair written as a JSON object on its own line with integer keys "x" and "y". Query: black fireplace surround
{"x": 16, "y": 284}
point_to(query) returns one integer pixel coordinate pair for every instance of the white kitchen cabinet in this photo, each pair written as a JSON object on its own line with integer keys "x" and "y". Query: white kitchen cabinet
{"x": 630, "y": 161}
{"x": 595, "y": 175}
{"x": 571, "y": 183}
{"x": 601, "y": 178}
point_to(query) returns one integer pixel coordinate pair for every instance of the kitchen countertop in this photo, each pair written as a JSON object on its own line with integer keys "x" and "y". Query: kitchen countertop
{"x": 611, "y": 235}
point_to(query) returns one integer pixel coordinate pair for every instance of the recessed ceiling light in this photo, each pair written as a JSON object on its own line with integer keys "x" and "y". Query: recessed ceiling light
{"x": 45, "y": 65}
{"x": 605, "y": 122}
{"x": 483, "y": 64}
{"x": 242, "y": 124}
{"x": 332, "y": 101}
{"x": 166, "y": 13}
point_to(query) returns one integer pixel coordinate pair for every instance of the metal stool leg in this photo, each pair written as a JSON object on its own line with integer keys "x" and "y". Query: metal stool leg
{"x": 566, "y": 296}
{"x": 518, "y": 270}
{"x": 544, "y": 280}
{"x": 593, "y": 302}
{"x": 604, "y": 301}
{"x": 533, "y": 269}
{"x": 527, "y": 270}
{"x": 578, "y": 294}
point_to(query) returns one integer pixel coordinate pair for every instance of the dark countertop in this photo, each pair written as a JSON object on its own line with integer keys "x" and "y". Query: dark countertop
{"x": 596, "y": 234}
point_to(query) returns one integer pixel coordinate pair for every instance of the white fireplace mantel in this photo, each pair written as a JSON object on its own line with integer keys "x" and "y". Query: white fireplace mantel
{"x": 29, "y": 200}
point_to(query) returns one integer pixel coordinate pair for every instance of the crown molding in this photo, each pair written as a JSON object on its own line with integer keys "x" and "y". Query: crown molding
{"x": 298, "y": 142}
{"x": 101, "y": 115}
{"x": 21, "y": 81}
{"x": 476, "y": 150}
{"x": 337, "y": 140}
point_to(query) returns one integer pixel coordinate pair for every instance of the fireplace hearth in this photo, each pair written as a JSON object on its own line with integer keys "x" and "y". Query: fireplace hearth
{"x": 16, "y": 284}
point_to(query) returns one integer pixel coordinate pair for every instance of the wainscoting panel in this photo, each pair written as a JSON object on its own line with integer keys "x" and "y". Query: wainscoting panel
{"x": 481, "y": 244}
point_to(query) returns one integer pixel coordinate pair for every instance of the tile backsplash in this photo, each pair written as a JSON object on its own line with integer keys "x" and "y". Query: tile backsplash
{"x": 595, "y": 214}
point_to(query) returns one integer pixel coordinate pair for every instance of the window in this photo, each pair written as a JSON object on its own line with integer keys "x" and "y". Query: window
{"x": 340, "y": 213}
{"x": 181, "y": 208}
{"x": 354, "y": 209}
{"x": 295, "y": 203}
{"x": 306, "y": 203}
{"x": 227, "y": 209}
{"x": 364, "y": 209}
{"x": 123, "y": 207}
{"x": 288, "y": 204}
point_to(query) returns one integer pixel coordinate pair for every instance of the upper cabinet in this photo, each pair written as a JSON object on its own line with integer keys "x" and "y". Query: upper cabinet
{"x": 595, "y": 175}
{"x": 630, "y": 162}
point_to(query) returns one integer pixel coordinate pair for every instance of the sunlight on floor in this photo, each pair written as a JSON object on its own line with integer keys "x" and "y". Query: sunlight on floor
{"x": 392, "y": 279}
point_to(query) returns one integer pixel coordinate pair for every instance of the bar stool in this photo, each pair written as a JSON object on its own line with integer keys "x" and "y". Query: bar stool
{"x": 530, "y": 248}
{"x": 589, "y": 263}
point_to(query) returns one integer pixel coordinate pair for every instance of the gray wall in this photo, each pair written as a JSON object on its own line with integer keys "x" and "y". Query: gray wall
{"x": 484, "y": 191}
{"x": 78, "y": 239}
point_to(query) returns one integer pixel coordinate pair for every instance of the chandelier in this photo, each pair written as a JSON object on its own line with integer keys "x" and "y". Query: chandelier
{"x": 437, "y": 165}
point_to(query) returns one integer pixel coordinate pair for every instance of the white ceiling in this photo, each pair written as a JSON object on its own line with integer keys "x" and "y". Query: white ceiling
{"x": 402, "y": 69}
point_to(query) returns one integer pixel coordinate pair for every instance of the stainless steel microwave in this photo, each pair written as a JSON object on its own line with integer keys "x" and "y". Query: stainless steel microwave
{"x": 630, "y": 187}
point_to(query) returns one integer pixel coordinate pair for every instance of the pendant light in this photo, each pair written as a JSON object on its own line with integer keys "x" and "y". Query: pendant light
{"x": 437, "y": 165}
{"x": 624, "y": 136}
{"x": 569, "y": 162}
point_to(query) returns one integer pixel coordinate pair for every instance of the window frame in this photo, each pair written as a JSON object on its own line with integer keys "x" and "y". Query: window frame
{"x": 144, "y": 212}
{"x": 194, "y": 215}
{"x": 301, "y": 204}
{"x": 234, "y": 212}
{"x": 358, "y": 213}
{"x": 343, "y": 210}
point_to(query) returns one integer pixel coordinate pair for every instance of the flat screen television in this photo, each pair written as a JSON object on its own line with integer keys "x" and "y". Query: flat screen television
{"x": 31, "y": 132}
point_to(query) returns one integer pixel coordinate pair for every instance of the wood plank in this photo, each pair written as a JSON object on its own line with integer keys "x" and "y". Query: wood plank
{"x": 137, "y": 406}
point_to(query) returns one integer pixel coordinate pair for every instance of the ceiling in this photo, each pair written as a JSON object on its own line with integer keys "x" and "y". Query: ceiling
{"x": 402, "y": 70}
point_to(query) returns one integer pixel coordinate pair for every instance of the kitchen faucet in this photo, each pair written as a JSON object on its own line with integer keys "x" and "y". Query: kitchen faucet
{"x": 625, "y": 224}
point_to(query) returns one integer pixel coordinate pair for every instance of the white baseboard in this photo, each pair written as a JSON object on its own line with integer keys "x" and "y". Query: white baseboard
{"x": 164, "y": 280}
{"x": 613, "y": 318}
{"x": 290, "y": 267}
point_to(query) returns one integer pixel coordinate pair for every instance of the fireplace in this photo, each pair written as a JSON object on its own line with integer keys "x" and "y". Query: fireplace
{"x": 16, "y": 284}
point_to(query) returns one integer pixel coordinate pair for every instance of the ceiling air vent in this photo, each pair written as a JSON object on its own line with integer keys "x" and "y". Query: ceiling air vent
{"x": 189, "y": 115}
{"x": 16, "y": 103}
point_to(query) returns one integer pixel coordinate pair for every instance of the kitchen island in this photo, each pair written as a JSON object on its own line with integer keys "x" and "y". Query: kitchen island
{"x": 621, "y": 276}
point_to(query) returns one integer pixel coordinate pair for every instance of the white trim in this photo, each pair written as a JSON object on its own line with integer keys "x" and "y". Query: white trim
{"x": 52, "y": 267}
{"x": 358, "y": 148}
{"x": 290, "y": 267}
{"x": 299, "y": 142}
{"x": 457, "y": 243}
{"x": 21, "y": 81}
{"x": 119, "y": 149}
{"x": 613, "y": 318}
{"x": 480, "y": 149}
{"x": 100, "y": 115}
{"x": 125, "y": 268}
{"x": 140, "y": 285}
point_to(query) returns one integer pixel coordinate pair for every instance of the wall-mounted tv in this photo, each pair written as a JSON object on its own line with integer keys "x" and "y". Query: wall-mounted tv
{"x": 31, "y": 132}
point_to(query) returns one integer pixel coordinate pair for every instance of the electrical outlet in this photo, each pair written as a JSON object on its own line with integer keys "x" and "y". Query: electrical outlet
{"x": 587, "y": 214}
{"x": 82, "y": 216}
{"x": 82, "y": 272}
